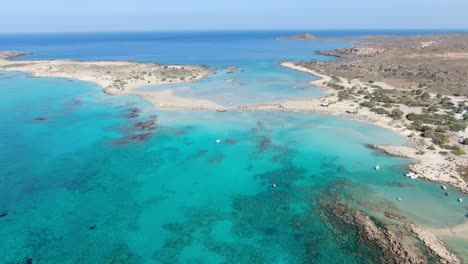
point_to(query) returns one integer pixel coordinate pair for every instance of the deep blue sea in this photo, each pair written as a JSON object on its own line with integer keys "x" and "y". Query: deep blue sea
{"x": 83, "y": 184}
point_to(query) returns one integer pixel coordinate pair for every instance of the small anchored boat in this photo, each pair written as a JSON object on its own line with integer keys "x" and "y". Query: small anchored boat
{"x": 443, "y": 187}
{"x": 399, "y": 199}
{"x": 412, "y": 175}
{"x": 460, "y": 200}
{"x": 218, "y": 141}
{"x": 377, "y": 167}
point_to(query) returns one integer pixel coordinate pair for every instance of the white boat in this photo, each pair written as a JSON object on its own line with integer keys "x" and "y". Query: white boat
{"x": 377, "y": 167}
{"x": 412, "y": 175}
{"x": 273, "y": 185}
{"x": 218, "y": 141}
{"x": 460, "y": 200}
{"x": 443, "y": 187}
{"x": 399, "y": 199}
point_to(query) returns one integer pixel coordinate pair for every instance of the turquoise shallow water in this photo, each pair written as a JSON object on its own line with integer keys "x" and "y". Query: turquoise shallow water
{"x": 79, "y": 187}
{"x": 256, "y": 53}
{"x": 250, "y": 83}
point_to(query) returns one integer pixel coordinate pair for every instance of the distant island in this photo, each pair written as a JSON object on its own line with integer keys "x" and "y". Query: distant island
{"x": 312, "y": 37}
{"x": 305, "y": 36}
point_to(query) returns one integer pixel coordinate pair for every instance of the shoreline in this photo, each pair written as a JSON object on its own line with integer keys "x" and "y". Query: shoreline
{"x": 115, "y": 77}
{"x": 425, "y": 166}
{"x": 119, "y": 77}
{"x": 431, "y": 166}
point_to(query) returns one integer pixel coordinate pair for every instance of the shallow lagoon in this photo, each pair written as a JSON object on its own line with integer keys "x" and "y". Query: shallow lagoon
{"x": 79, "y": 188}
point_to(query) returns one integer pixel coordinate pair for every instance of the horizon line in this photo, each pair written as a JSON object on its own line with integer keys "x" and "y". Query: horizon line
{"x": 236, "y": 30}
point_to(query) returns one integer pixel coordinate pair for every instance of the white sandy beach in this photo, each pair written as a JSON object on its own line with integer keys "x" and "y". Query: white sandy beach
{"x": 431, "y": 166}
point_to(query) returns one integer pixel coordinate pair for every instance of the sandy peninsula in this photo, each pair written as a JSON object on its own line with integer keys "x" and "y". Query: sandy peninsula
{"x": 119, "y": 77}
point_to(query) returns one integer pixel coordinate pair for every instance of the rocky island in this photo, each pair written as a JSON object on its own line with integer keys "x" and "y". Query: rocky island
{"x": 305, "y": 36}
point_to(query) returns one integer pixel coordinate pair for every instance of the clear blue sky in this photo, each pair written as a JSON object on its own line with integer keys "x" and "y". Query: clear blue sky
{"x": 119, "y": 15}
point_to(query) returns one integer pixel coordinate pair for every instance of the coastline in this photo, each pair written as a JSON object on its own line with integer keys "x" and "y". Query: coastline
{"x": 431, "y": 166}
{"x": 119, "y": 77}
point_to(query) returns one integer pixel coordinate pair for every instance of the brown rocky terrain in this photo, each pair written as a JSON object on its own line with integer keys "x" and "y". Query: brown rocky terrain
{"x": 389, "y": 236}
{"x": 420, "y": 82}
{"x": 433, "y": 63}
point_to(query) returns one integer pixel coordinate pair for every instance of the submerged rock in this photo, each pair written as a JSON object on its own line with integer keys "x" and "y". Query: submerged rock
{"x": 398, "y": 184}
{"x": 142, "y": 137}
{"x": 133, "y": 138}
{"x": 230, "y": 141}
{"x": 264, "y": 144}
{"x": 150, "y": 124}
{"x": 3, "y": 214}
{"x": 40, "y": 119}
{"x": 76, "y": 102}
{"x": 216, "y": 159}
{"x": 394, "y": 216}
{"x": 134, "y": 112}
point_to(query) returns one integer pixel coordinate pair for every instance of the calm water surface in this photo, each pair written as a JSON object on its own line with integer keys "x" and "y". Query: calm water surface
{"x": 86, "y": 185}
